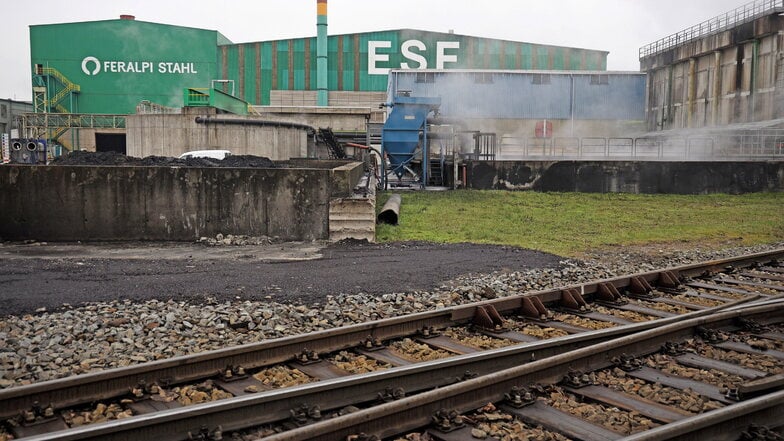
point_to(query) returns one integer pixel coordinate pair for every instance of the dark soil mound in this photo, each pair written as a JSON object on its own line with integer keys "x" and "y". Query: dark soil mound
{"x": 93, "y": 158}
{"x": 246, "y": 161}
{"x": 114, "y": 158}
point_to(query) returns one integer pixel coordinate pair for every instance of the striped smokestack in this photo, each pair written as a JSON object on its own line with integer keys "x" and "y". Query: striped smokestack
{"x": 321, "y": 53}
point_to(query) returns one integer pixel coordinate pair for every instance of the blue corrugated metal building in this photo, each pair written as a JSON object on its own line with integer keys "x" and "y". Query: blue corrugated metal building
{"x": 577, "y": 103}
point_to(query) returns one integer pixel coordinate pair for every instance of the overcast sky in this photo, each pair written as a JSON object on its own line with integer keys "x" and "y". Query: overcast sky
{"x": 617, "y": 26}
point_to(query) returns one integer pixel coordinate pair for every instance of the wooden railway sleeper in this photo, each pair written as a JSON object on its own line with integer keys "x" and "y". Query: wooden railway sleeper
{"x": 756, "y": 387}
{"x": 572, "y": 301}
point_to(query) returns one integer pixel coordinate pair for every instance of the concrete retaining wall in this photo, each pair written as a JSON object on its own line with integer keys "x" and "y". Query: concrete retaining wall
{"x": 160, "y": 203}
{"x": 628, "y": 176}
{"x": 174, "y": 134}
{"x": 729, "y": 77}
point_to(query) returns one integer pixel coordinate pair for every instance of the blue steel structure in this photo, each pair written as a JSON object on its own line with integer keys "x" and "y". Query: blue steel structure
{"x": 400, "y": 136}
{"x": 534, "y": 95}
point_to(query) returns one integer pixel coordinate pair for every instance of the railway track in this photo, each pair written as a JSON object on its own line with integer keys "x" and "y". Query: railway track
{"x": 246, "y": 386}
{"x": 658, "y": 383}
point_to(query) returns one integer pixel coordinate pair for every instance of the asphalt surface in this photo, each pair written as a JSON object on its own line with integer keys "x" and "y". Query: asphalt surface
{"x": 34, "y": 276}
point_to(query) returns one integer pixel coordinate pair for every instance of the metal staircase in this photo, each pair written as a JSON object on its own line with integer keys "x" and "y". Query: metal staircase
{"x": 436, "y": 176}
{"x": 51, "y": 88}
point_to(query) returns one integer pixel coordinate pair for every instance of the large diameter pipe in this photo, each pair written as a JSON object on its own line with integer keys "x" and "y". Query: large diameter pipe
{"x": 252, "y": 122}
{"x": 322, "y": 97}
{"x": 390, "y": 211}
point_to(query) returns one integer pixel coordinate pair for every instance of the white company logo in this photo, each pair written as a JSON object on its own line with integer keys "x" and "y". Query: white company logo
{"x": 86, "y": 62}
{"x": 93, "y": 66}
{"x": 412, "y": 50}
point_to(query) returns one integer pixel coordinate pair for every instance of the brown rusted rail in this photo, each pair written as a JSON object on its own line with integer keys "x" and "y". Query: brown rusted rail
{"x": 272, "y": 405}
{"x": 417, "y": 411}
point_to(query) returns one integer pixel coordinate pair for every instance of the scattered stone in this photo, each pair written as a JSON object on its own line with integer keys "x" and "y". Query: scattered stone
{"x": 49, "y": 345}
{"x": 235, "y": 240}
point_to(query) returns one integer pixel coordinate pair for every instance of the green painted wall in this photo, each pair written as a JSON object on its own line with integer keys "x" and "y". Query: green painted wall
{"x": 135, "y": 60}
{"x": 132, "y": 56}
{"x": 358, "y": 62}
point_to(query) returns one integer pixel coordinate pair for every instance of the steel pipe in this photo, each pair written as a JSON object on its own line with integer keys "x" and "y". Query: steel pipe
{"x": 252, "y": 122}
{"x": 390, "y": 211}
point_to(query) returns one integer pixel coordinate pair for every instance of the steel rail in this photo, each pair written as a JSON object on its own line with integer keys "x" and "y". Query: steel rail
{"x": 721, "y": 424}
{"x": 415, "y": 412}
{"x": 107, "y": 384}
{"x": 328, "y": 395}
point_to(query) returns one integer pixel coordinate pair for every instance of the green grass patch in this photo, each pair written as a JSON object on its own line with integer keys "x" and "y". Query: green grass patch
{"x": 571, "y": 223}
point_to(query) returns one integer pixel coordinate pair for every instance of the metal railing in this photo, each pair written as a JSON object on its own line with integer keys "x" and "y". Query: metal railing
{"x": 743, "y": 14}
{"x": 35, "y": 124}
{"x": 146, "y": 107}
{"x": 760, "y": 145}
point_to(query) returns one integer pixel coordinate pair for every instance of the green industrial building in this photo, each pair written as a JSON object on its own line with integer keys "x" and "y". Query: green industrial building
{"x": 109, "y": 67}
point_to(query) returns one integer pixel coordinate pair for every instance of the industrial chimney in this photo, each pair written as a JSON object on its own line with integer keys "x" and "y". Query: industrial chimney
{"x": 321, "y": 54}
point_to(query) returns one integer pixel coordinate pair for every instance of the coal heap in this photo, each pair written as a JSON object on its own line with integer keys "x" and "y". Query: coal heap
{"x": 114, "y": 158}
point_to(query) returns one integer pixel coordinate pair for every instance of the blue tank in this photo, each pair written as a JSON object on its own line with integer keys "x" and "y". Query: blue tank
{"x": 400, "y": 139}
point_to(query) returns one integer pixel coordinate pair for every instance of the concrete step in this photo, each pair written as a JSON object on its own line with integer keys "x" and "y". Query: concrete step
{"x": 349, "y": 217}
{"x": 370, "y": 236}
{"x": 352, "y": 218}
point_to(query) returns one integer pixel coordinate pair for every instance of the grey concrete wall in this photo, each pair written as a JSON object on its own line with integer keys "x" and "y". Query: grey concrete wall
{"x": 161, "y": 203}
{"x": 174, "y": 134}
{"x": 340, "y": 119}
{"x": 9, "y": 110}
{"x": 730, "y": 77}
{"x": 337, "y": 99}
{"x": 627, "y": 176}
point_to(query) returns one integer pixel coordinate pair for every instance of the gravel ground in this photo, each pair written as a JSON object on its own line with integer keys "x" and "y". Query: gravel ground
{"x": 66, "y": 340}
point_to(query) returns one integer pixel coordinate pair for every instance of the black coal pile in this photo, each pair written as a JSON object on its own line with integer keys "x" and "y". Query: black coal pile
{"x": 247, "y": 161}
{"x": 93, "y": 158}
{"x": 114, "y": 158}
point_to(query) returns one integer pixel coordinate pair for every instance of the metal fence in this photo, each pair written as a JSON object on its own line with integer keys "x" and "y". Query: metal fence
{"x": 743, "y": 14}
{"x": 764, "y": 145}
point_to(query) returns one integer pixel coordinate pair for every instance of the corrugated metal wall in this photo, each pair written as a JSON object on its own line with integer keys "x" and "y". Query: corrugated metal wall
{"x": 529, "y": 94}
{"x": 259, "y": 67}
{"x": 133, "y": 61}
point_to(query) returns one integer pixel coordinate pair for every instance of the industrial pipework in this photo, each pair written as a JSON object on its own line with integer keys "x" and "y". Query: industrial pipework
{"x": 322, "y": 97}
{"x": 400, "y": 136}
